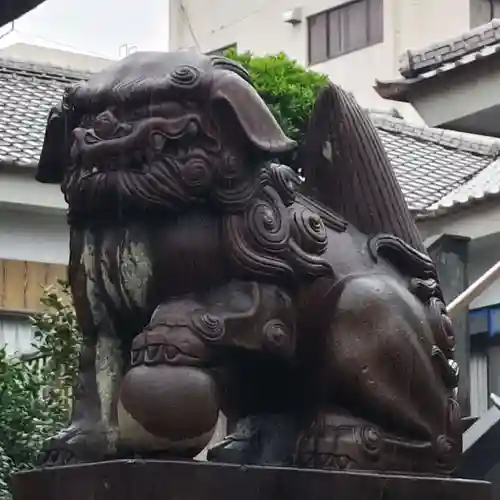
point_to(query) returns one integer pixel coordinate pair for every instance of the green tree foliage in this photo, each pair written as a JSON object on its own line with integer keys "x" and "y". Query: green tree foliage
{"x": 34, "y": 402}
{"x": 287, "y": 88}
{"x": 57, "y": 336}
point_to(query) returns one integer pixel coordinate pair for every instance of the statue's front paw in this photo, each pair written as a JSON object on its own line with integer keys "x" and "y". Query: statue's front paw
{"x": 258, "y": 440}
{"x": 78, "y": 444}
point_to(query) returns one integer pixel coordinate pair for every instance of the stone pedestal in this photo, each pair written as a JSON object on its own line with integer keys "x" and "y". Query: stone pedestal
{"x": 155, "y": 480}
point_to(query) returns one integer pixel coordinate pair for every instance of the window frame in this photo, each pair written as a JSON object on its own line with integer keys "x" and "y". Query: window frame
{"x": 486, "y": 313}
{"x": 23, "y": 317}
{"x": 371, "y": 40}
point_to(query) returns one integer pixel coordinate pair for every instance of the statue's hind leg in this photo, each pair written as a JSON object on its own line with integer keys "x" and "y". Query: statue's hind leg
{"x": 384, "y": 402}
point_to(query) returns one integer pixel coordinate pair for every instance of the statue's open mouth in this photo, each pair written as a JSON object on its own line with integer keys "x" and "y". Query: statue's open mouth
{"x": 136, "y": 162}
{"x": 127, "y": 144}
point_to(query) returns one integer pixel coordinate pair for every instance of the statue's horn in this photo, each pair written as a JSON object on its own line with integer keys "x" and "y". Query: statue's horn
{"x": 250, "y": 111}
{"x": 55, "y": 150}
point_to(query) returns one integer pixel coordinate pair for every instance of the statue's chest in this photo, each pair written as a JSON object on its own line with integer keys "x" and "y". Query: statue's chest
{"x": 118, "y": 268}
{"x": 138, "y": 267}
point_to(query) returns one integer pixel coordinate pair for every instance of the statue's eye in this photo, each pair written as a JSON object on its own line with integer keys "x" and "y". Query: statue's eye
{"x": 191, "y": 130}
{"x": 105, "y": 124}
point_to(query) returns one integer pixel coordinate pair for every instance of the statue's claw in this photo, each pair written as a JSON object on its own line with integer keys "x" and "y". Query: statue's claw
{"x": 262, "y": 440}
{"x": 76, "y": 445}
{"x": 233, "y": 449}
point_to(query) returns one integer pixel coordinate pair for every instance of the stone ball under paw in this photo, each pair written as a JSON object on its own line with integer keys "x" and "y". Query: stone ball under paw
{"x": 168, "y": 408}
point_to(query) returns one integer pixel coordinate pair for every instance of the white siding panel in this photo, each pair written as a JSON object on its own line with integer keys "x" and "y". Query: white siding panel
{"x": 16, "y": 334}
{"x": 478, "y": 384}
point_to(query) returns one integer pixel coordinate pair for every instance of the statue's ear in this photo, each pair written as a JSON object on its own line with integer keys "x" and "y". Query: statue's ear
{"x": 55, "y": 149}
{"x": 254, "y": 117}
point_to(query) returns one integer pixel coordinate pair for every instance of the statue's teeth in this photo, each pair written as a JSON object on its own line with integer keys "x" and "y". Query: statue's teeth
{"x": 137, "y": 357}
{"x": 158, "y": 141}
{"x": 170, "y": 352}
{"x": 152, "y": 354}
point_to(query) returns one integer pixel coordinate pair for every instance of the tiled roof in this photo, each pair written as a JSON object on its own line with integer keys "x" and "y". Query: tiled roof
{"x": 481, "y": 187}
{"x": 430, "y": 164}
{"x": 27, "y": 92}
{"x": 440, "y": 58}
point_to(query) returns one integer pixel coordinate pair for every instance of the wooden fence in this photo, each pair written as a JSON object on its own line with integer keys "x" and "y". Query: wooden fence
{"x": 22, "y": 282}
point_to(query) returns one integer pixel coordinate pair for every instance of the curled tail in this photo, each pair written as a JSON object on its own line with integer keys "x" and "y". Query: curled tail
{"x": 347, "y": 169}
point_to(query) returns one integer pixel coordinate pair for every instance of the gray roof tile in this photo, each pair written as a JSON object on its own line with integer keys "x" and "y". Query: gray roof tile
{"x": 482, "y": 186}
{"x": 440, "y": 58}
{"x": 27, "y": 92}
{"x": 430, "y": 164}
{"x": 463, "y": 47}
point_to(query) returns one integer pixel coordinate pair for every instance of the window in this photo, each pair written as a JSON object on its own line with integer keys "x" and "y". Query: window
{"x": 222, "y": 50}
{"x": 352, "y": 26}
{"x": 485, "y": 320}
{"x": 483, "y": 11}
{"x": 484, "y": 362}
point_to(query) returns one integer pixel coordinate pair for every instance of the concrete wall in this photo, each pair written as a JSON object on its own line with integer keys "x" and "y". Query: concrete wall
{"x": 259, "y": 27}
{"x": 34, "y": 237}
{"x": 20, "y": 191}
{"x": 483, "y": 254}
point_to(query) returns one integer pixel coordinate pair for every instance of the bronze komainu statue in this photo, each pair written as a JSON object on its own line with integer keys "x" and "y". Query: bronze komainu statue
{"x": 207, "y": 277}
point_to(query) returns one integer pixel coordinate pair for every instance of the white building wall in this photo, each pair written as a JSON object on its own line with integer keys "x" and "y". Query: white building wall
{"x": 16, "y": 334}
{"x": 483, "y": 254}
{"x": 34, "y": 237}
{"x": 479, "y": 397}
{"x": 20, "y": 191}
{"x": 29, "y": 236}
{"x": 259, "y": 27}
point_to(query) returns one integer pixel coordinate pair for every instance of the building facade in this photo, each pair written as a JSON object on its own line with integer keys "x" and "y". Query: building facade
{"x": 34, "y": 239}
{"x": 453, "y": 85}
{"x": 354, "y": 42}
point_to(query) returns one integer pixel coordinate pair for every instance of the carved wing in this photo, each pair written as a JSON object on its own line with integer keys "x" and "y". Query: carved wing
{"x": 346, "y": 168}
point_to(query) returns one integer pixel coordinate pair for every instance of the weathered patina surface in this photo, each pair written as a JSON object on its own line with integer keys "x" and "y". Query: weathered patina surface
{"x": 166, "y": 480}
{"x": 207, "y": 277}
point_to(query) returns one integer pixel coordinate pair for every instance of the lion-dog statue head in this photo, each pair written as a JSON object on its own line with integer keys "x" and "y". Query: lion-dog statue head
{"x": 160, "y": 133}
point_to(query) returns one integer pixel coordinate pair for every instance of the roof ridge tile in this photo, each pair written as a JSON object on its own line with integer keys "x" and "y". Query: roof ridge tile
{"x": 461, "y": 141}
{"x": 43, "y": 70}
{"x": 415, "y": 62}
